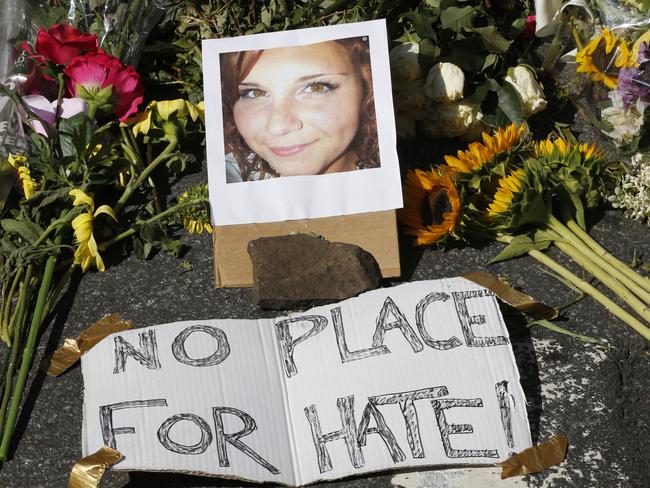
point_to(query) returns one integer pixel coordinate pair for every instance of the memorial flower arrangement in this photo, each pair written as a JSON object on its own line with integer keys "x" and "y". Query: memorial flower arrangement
{"x": 528, "y": 195}
{"x": 87, "y": 180}
{"x": 460, "y": 68}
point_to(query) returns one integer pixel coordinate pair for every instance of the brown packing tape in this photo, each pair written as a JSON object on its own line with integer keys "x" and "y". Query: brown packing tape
{"x": 520, "y": 301}
{"x": 536, "y": 458}
{"x": 72, "y": 349}
{"x": 88, "y": 471}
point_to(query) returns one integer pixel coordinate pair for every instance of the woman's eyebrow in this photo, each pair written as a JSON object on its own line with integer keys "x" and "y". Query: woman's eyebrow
{"x": 318, "y": 75}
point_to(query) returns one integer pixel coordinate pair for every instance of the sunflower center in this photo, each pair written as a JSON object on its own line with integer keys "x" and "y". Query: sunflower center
{"x": 435, "y": 206}
{"x": 603, "y": 60}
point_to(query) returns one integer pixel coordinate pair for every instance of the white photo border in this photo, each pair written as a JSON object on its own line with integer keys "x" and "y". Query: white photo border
{"x": 302, "y": 197}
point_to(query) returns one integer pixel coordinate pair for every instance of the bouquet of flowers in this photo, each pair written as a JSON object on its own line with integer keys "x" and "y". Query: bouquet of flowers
{"x": 614, "y": 64}
{"x": 91, "y": 172}
{"x": 460, "y": 68}
{"x": 528, "y": 195}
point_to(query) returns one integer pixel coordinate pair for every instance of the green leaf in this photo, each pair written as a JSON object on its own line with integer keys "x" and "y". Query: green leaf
{"x": 70, "y": 134}
{"x": 423, "y": 24}
{"x": 519, "y": 246}
{"x": 6, "y": 184}
{"x": 510, "y": 103}
{"x": 492, "y": 39}
{"x": 556, "y": 328}
{"x": 456, "y": 18}
{"x": 28, "y": 230}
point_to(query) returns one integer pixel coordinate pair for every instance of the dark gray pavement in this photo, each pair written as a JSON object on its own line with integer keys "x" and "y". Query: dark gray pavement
{"x": 598, "y": 396}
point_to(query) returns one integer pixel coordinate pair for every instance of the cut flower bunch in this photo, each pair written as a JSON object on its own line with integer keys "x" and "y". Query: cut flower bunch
{"x": 528, "y": 195}
{"x": 88, "y": 179}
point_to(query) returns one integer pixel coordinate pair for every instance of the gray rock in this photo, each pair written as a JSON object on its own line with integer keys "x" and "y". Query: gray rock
{"x": 298, "y": 271}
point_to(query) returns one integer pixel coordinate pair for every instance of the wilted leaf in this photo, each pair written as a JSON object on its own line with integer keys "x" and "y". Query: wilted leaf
{"x": 510, "y": 103}
{"x": 456, "y": 18}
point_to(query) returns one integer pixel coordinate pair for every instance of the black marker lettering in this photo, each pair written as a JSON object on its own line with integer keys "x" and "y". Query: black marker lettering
{"x": 106, "y": 418}
{"x": 224, "y": 439}
{"x": 400, "y": 322}
{"x": 198, "y": 448}
{"x": 287, "y": 343}
{"x": 147, "y": 356}
{"x": 467, "y": 320}
{"x": 382, "y": 429}
{"x": 420, "y": 322}
{"x": 446, "y": 429}
{"x": 222, "y": 352}
{"x": 348, "y": 433}
{"x": 344, "y": 352}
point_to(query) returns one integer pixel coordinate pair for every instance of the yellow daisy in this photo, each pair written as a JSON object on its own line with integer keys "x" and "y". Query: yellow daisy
{"x": 87, "y": 253}
{"x": 479, "y": 154}
{"x": 509, "y": 186}
{"x": 164, "y": 110}
{"x": 432, "y": 207}
{"x": 601, "y": 57}
{"x": 196, "y": 220}
{"x": 29, "y": 185}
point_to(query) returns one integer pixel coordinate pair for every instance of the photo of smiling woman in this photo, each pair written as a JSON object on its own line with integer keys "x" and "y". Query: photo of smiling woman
{"x": 300, "y": 110}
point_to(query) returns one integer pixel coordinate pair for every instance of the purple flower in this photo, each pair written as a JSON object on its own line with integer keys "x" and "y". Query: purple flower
{"x": 634, "y": 82}
{"x": 46, "y": 110}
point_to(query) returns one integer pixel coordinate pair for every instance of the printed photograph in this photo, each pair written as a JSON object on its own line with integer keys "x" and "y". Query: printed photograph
{"x": 299, "y": 110}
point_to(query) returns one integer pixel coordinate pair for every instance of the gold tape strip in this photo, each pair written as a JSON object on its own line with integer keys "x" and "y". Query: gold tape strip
{"x": 88, "y": 471}
{"x": 536, "y": 458}
{"x": 72, "y": 349}
{"x": 520, "y": 301}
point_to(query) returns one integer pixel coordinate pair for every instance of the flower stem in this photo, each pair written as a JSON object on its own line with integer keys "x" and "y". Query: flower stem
{"x": 614, "y": 270}
{"x": 15, "y": 343}
{"x": 601, "y": 251}
{"x": 596, "y": 294}
{"x": 611, "y": 282}
{"x": 132, "y": 186}
{"x": 28, "y": 354}
{"x": 170, "y": 211}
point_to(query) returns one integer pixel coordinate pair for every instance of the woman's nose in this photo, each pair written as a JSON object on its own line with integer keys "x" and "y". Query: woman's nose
{"x": 283, "y": 118}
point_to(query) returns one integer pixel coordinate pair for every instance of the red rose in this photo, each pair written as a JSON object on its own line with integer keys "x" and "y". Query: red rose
{"x": 62, "y": 42}
{"x": 105, "y": 83}
{"x": 529, "y": 27}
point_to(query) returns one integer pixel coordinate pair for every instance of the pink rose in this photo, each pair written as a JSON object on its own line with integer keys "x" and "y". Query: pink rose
{"x": 62, "y": 42}
{"x": 105, "y": 83}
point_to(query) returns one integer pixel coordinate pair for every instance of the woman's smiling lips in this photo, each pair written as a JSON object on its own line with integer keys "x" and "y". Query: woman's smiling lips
{"x": 287, "y": 151}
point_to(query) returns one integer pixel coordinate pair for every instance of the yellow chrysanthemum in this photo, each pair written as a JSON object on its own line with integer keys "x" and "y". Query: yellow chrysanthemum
{"x": 87, "y": 252}
{"x": 29, "y": 185}
{"x": 478, "y": 154}
{"x": 196, "y": 219}
{"x": 601, "y": 57}
{"x": 164, "y": 109}
{"x": 509, "y": 186}
{"x": 432, "y": 206}
{"x": 195, "y": 226}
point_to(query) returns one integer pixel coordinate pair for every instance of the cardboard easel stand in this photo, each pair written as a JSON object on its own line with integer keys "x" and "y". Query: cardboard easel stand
{"x": 376, "y": 232}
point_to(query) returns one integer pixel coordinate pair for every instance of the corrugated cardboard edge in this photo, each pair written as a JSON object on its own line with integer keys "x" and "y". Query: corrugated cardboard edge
{"x": 376, "y": 232}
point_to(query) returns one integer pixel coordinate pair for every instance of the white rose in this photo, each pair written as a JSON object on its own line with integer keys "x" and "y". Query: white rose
{"x": 405, "y": 63}
{"x": 457, "y": 119}
{"x": 445, "y": 83}
{"x": 530, "y": 92}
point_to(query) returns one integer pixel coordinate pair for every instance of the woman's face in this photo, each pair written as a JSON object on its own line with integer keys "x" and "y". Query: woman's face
{"x": 298, "y": 109}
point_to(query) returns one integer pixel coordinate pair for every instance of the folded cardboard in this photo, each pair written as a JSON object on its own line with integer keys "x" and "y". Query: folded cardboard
{"x": 420, "y": 374}
{"x": 376, "y": 232}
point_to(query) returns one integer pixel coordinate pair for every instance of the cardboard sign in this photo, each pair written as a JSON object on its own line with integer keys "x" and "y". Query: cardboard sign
{"x": 416, "y": 375}
{"x": 300, "y": 124}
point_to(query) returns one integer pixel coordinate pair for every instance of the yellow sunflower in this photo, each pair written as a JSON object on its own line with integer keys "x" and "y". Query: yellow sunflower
{"x": 562, "y": 148}
{"x": 601, "y": 57}
{"x": 432, "y": 206}
{"x": 509, "y": 186}
{"x": 87, "y": 252}
{"x": 480, "y": 153}
{"x": 163, "y": 110}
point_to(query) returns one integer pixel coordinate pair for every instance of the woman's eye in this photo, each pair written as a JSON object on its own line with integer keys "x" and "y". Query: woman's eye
{"x": 319, "y": 87}
{"x": 252, "y": 93}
